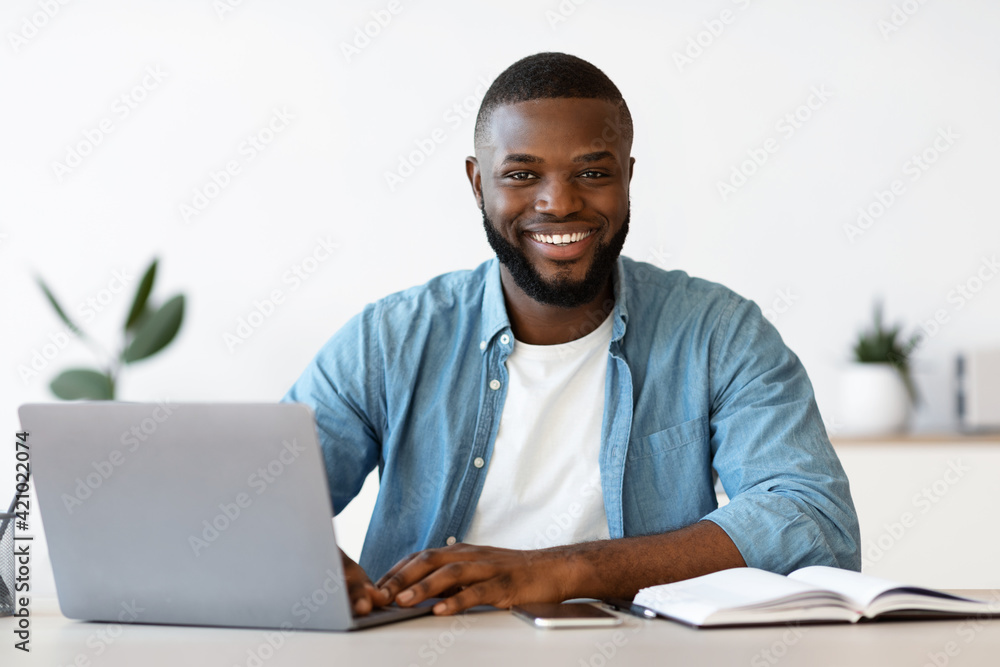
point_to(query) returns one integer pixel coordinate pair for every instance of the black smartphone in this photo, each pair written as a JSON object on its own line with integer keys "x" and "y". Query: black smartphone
{"x": 565, "y": 615}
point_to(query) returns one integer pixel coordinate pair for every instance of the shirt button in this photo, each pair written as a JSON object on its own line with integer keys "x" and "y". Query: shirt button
{"x": 482, "y": 345}
{"x": 479, "y": 462}
{"x": 505, "y": 339}
{"x": 450, "y": 541}
{"x": 494, "y": 384}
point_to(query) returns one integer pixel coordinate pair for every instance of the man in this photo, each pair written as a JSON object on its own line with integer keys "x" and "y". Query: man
{"x": 546, "y": 426}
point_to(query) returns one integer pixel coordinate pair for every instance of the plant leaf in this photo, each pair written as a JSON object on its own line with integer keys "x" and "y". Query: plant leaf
{"x": 58, "y": 308}
{"x": 156, "y": 331}
{"x": 144, "y": 316}
{"x": 141, "y": 296}
{"x": 79, "y": 383}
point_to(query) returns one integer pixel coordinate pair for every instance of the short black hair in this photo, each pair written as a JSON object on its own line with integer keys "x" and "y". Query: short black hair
{"x": 548, "y": 75}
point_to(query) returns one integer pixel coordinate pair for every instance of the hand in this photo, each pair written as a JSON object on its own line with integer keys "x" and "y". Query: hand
{"x": 364, "y": 596}
{"x": 473, "y": 575}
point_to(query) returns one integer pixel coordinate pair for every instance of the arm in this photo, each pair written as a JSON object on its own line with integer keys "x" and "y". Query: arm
{"x": 790, "y": 501}
{"x": 345, "y": 393}
{"x": 346, "y": 397}
{"x": 602, "y": 569}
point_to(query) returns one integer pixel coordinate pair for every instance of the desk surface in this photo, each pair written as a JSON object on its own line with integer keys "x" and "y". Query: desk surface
{"x": 918, "y": 439}
{"x": 497, "y": 638}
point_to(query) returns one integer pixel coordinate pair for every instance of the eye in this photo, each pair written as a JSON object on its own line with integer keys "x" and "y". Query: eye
{"x": 520, "y": 175}
{"x": 590, "y": 173}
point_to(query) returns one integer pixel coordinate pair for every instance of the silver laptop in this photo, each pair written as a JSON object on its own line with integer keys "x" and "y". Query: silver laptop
{"x": 190, "y": 514}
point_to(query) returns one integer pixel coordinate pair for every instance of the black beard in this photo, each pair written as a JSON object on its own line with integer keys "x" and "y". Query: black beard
{"x": 560, "y": 292}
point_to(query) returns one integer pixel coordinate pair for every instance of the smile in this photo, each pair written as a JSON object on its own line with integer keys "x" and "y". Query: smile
{"x": 560, "y": 239}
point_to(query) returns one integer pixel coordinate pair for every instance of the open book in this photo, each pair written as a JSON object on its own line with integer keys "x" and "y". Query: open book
{"x": 748, "y": 596}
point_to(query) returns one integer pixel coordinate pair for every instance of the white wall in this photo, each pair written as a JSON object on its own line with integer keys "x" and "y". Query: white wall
{"x": 324, "y": 173}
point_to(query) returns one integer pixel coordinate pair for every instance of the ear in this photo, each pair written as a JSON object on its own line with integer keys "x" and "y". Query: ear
{"x": 475, "y": 179}
{"x": 631, "y": 168}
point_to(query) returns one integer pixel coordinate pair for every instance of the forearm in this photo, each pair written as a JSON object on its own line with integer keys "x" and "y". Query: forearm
{"x": 619, "y": 568}
{"x": 602, "y": 569}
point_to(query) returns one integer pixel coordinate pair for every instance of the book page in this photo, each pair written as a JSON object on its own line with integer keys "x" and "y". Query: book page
{"x": 860, "y": 589}
{"x": 742, "y": 588}
{"x": 873, "y": 595}
{"x": 863, "y": 589}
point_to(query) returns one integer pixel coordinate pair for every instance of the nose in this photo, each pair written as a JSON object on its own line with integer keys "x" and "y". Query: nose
{"x": 559, "y": 198}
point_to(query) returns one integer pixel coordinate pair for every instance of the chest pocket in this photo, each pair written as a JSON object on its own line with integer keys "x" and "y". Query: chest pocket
{"x": 674, "y": 437}
{"x": 668, "y": 479}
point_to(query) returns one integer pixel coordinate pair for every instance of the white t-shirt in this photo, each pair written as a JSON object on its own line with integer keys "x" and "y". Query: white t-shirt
{"x": 543, "y": 485}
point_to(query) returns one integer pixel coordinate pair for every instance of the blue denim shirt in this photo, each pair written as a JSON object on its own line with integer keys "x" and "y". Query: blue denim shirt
{"x": 697, "y": 381}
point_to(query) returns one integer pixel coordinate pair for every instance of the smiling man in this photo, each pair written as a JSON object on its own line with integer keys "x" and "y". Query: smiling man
{"x": 549, "y": 425}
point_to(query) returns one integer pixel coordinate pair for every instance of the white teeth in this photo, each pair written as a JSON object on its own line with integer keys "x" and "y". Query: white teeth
{"x": 561, "y": 239}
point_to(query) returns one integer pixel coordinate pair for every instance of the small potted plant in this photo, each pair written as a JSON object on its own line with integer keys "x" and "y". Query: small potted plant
{"x": 877, "y": 390}
{"x": 147, "y": 330}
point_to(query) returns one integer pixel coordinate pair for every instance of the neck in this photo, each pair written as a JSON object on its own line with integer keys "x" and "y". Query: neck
{"x": 542, "y": 324}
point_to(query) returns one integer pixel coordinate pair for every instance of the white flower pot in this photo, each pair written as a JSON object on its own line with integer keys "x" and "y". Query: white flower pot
{"x": 873, "y": 400}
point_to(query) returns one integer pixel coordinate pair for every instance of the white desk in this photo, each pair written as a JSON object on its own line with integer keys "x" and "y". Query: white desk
{"x": 497, "y": 638}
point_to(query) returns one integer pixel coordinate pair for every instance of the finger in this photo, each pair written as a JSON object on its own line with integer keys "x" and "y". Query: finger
{"x": 364, "y": 597}
{"x": 361, "y": 592}
{"x": 376, "y": 595}
{"x": 361, "y": 603}
{"x": 444, "y": 580}
{"x": 492, "y": 591}
{"x": 418, "y": 566}
{"x": 395, "y": 568}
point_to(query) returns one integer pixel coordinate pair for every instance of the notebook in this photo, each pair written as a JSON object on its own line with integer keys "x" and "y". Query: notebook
{"x": 748, "y": 596}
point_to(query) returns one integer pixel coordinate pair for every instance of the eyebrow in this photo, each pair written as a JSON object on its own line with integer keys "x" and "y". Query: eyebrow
{"x": 526, "y": 158}
{"x": 522, "y": 158}
{"x": 596, "y": 156}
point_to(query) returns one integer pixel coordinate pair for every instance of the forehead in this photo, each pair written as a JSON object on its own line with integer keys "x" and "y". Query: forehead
{"x": 555, "y": 126}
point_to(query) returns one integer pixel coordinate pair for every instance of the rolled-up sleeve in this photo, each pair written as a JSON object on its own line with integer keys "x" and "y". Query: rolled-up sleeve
{"x": 790, "y": 502}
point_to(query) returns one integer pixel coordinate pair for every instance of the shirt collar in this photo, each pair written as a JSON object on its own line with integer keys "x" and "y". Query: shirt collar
{"x": 620, "y": 313}
{"x": 494, "y": 315}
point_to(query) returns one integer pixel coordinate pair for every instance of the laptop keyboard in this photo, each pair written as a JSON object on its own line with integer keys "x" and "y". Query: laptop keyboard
{"x": 377, "y": 611}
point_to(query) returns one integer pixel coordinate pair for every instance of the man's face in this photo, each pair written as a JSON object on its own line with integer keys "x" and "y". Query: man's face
{"x": 552, "y": 183}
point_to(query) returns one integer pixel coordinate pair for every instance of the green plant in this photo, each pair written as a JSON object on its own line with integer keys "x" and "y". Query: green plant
{"x": 146, "y": 331}
{"x": 881, "y": 345}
